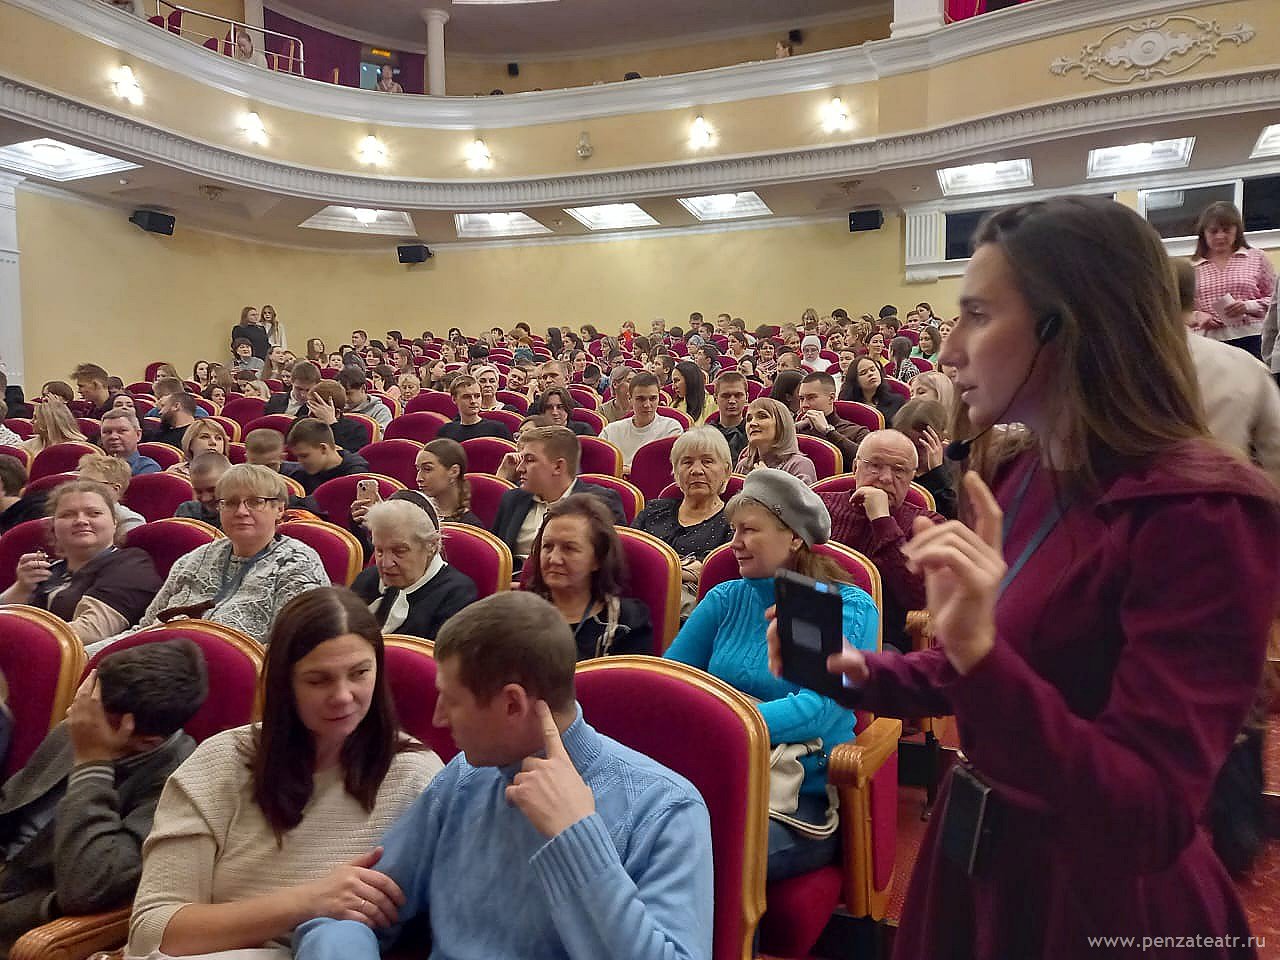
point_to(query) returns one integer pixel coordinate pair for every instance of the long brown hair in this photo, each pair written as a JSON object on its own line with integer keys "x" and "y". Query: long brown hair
{"x": 1224, "y": 213}
{"x": 451, "y": 453}
{"x": 282, "y": 758}
{"x": 1124, "y": 382}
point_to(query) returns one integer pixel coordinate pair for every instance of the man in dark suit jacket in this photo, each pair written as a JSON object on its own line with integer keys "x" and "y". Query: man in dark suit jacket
{"x": 547, "y": 470}
{"x": 72, "y": 820}
{"x": 293, "y": 401}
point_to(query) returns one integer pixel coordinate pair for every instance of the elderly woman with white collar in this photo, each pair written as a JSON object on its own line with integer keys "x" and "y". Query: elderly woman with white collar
{"x": 410, "y": 588}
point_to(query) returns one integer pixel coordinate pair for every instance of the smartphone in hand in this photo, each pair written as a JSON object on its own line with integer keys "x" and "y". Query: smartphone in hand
{"x": 810, "y": 628}
{"x": 367, "y": 491}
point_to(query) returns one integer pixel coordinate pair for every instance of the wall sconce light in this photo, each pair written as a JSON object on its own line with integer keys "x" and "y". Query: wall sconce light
{"x": 478, "y": 156}
{"x": 700, "y": 134}
{"x": 372, "y": 150}
{"x": 126, "y": 85}
{"x": 585, "y": 149}
{"x": 252, "y": 127}
{"x": 835, "y": 116}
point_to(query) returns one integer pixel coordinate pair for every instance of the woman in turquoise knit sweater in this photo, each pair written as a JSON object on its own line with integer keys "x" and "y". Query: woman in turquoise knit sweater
{"x": 776, "y": 521}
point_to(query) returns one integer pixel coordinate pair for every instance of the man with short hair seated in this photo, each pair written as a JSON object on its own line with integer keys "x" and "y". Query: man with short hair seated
{"x": 120, "y": 437}
{"x": 264, "y": 447}
{"x": 311, "y": 442}
{"x": 818, "y": 417}
{"x": 114, "y": 472}
{"x": 731, "y": 405}
{"x": 546, "y": 469}
{"x": 167, "y": 387}
{"x": 542, "y": 838}
{"x": 206, "y": 470}
{"x": 16, "y": 507}
{"x": 645, "y": 424}
{"x": 358, "y": 400}
{"x": 877, "y": 520}
{"x": 293, "y": 402}
{"x": 177, "y": 412}
{"x": 93, "y": 383}
{"x": 468, "y": 398}
{"x": 72, "y": 820}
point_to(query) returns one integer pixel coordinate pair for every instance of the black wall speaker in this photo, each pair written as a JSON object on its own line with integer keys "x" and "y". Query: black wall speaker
{"x": 413, "y": 253}
{"x": 153, "y": 221}
{"x": 796, "y": 36}
{"x": 513, "y": 69}
{"x": 860, "y": 220}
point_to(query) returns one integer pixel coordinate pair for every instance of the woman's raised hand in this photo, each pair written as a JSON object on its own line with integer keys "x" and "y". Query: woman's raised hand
{"x": 962, "y": 571}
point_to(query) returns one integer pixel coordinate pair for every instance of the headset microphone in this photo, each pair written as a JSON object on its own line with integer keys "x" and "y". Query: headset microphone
{"x": 1046, "y": 330}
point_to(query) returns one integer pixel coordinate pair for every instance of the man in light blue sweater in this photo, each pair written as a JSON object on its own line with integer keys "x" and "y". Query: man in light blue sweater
{"x": 543, "y": 839}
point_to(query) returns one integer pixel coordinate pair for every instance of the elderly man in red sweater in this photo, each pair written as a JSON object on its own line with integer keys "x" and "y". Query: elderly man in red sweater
{"x": 877, "y": 520}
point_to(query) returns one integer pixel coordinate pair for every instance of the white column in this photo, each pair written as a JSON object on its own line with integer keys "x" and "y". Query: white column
{"x": 435, "y": 20}
{"x": 10, "y": 290}
{"x": 911, "y": 18}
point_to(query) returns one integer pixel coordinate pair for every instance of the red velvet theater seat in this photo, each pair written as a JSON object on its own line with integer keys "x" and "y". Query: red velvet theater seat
{"x": 41, "y": 659}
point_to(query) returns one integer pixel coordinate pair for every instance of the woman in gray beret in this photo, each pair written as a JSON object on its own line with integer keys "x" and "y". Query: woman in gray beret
{"x": 776, "y": 521}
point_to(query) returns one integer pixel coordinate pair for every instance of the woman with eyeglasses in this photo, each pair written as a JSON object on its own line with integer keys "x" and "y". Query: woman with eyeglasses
{"x": 243, "y": 579}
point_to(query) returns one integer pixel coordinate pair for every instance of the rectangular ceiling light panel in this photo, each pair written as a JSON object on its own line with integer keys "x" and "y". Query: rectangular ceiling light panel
{"x": 611, "y": 216}
{"x": 1144, "y": 157}
{"x": 726, "y": 206}
{"x": 1268, "y": 144}
{"x": 985, "y": 177}
{"x": 58, "y": 161}
{"x": 480, "y": 226}
{"x": 378, "y": 223}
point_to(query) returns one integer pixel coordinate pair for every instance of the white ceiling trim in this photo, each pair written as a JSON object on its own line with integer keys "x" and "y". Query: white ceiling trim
{"x": 823, "y": 70}
{"x": 1114, "y": 110}
{"x": 582, "y": 53}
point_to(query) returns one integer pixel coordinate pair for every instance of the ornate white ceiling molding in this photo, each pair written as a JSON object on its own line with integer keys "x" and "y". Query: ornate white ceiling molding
{"x": 1153, "y": 49}
{"x": 1121, "y": 109}
{"x": 869, "y": 61}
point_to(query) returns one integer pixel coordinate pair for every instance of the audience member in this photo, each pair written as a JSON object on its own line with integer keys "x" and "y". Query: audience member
{"x": 410, "y": 588}
{"x": 164, "y": 387}
{"x": 694, "y": 523}
{"x": 786, "y": 389}
{"x": 243, "y": 358}
{"x": 244, "y": 52}
{"x": 899, "y": 367}
{"x": 293, "y": 402}
{"x": 1235, "y": 283}
{"x": 558, "y": 404}
{"x": 731, "y": 405}
{"x": 358, "y": 399}
{"x": 7, "y": 437}
{"x": 771, "y": 442}
{"x": 623, "y": 851}
{"x": 618, "y": 406}
{"x": 689, "y": 392}
{"x": 206, "y": 469}
{"x": 98, "y": 589}
{"x": 1052, "y": 654}
{"x": 924, "y": 423}
{"x": 442, "y": 477}
{"x": 177, "y": 412}
{"x": 577, "y": 563}
{"x": 645, "y": 424}
{"x": 552, "y": 374}
{"x": 203, "y": 436}
{"x": 546, "y": 471}
{"x": 930, "y": 345}
{"x": 818, "y": 416}
{"x": 934, "y": 385}
{"x": 326, "y": 403}
{"x": 113, "y": 472}
{"x": 811, "y": 359}
{"x": 777, "y": 521}
{"x": 265, "y": 448}
{"x": 468, "y": 425}
{"x": 311, "y": 443}
{"x": 865, "y": 383}
{"x": 17, "y": 505}
{"x": 92, "y": 383}
{"x": 269, "y": 825}
{"x": 120, "y": 436}
{"x": 53, "y": 423}
{"x": 73, "y": 819}
{"x": 243, "y": 579}
{"x": 1240, "y": 399}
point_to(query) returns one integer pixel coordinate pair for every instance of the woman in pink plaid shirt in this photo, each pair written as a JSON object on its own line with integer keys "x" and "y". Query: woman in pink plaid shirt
{"x": 1234, "y": 282}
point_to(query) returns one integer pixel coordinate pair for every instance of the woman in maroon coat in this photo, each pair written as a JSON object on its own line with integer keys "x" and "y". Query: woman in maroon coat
{"x": 1101, "y": 628}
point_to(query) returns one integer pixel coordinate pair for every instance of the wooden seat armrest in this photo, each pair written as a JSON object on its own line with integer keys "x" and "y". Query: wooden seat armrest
{"x": 74, "y": 938}
{"x": 853, "y": 764}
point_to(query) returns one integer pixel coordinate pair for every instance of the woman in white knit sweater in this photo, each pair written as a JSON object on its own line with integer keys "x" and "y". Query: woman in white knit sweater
{"x": 270, "y": 825}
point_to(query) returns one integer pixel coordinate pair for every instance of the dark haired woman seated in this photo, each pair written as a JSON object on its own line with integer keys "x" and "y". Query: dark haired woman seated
{"x": 269, "y": 825}
{"x": 577, "y": 563}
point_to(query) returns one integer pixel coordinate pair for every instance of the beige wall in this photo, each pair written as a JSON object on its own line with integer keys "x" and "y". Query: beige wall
{"x": 465, "y": 77}
{"x": 95, "y": 287}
